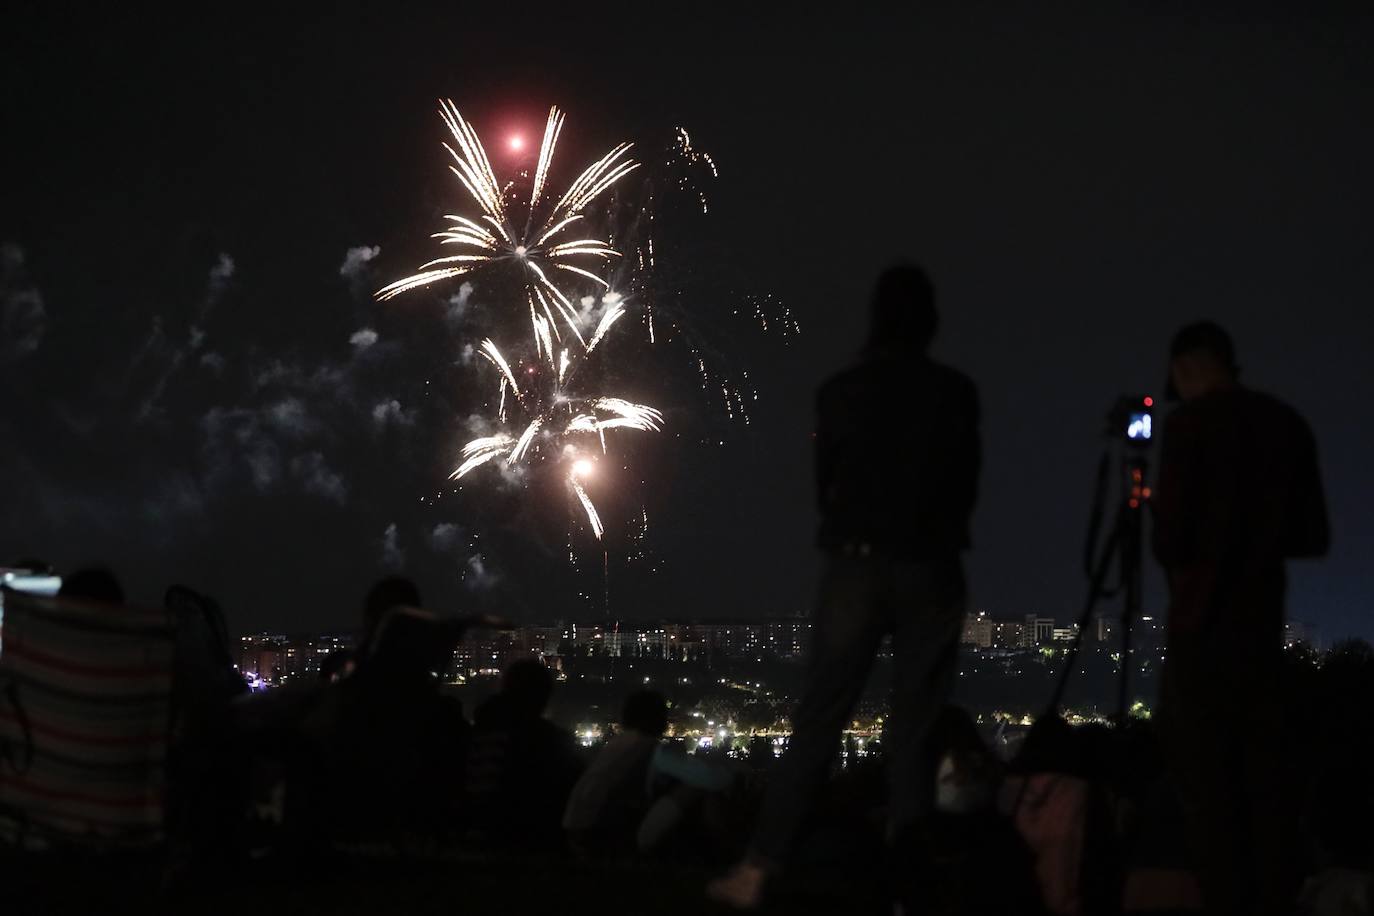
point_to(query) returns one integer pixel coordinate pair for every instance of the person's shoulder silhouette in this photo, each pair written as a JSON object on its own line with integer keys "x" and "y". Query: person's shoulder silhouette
{"x": 1231, "y": 452}
{"x": 897, "y": 452}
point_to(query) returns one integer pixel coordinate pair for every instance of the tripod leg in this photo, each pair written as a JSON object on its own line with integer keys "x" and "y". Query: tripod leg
{"x": 1132, "y": 547}
{"x": 1104, "y": 565}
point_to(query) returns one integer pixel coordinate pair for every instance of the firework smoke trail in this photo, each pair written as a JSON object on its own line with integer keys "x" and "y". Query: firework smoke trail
{"x": 539, "y": 249}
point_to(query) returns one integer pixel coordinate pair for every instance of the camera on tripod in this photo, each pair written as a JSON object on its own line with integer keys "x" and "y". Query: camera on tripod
{"x": 1131, "y": 420}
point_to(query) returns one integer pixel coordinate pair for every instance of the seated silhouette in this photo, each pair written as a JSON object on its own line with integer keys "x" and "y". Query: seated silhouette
{"x": 639, "y": 790}
{"x": 387, "y": 746}
{"x": 521, "y": 767}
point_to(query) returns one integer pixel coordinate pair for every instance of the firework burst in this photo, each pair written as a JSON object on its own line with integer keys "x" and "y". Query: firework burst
{"x": 558, "y": 420}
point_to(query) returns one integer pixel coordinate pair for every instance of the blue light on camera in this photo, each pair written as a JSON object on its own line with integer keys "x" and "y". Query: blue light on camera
{"x": 1139, "y": 427}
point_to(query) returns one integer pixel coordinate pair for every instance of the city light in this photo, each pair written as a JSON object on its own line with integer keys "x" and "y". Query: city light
{"x": 747, "y": 704}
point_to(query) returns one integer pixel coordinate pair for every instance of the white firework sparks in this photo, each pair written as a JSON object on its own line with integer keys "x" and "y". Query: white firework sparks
{"x": 539, "y": 248}
{"x": 480, "y": 451}
{"x": 490, "y": 351}
{"x": 540, "y": 245}
{"x": 592, "y": 517}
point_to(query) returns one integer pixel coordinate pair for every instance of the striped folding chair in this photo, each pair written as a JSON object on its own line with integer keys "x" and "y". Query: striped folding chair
{"x": 85, "y": 691}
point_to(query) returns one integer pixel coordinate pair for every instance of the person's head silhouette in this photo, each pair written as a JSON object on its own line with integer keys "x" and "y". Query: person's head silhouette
{"x": 903, "y": 310}
{"x": 645, "y": 712}
{"x": 527, "y": 685}
{"x": 393, "y": 591}
{"x": 1202, "y": 359}
{"x": 94, "y": 583}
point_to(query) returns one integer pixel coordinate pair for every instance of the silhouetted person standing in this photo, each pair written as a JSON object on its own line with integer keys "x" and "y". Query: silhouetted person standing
{"x": 1239, "y": 491}
{"x": 897, "y": 460}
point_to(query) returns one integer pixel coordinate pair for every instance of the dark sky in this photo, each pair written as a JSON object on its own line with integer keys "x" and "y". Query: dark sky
{"x": 181, "y": 399}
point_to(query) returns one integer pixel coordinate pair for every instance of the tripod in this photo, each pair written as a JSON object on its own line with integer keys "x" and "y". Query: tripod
{"x": 1123, "y": 546}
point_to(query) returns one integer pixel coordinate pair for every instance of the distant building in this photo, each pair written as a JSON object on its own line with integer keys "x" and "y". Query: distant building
{"x": 737, "y": 640}
{"x": 981, "y": 631}
{"x": 977, "y": 630}
{"x": 788, "y": 639}
{"x": 1065, "y": 634}
{"x": 684, "y": 642}
{"x": 1103, "y": 628}
{"x": 538, "y": 641}
{"x": 278, "y": 659}
{"x": 482, "y": 653}
{"x": 1011, "y": 635}
{"x": 1040, "y": 630}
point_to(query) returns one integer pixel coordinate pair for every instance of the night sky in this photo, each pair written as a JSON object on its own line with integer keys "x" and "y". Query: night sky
{"x": 185, "y": 394}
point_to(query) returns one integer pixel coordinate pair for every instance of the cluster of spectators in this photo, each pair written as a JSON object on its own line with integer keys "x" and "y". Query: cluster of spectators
{"x": 375, "y": 753}
{"x": 376, "y": 756}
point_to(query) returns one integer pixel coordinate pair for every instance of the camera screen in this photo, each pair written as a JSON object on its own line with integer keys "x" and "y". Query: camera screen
{"x": 1138, "y": 427}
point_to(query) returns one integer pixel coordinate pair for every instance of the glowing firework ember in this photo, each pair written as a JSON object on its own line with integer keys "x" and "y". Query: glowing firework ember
{"x": 558, "y": 421}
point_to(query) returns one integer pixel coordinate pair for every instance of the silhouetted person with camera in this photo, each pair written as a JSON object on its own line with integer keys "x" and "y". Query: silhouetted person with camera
{"x": 1239, "y": 492}
{"x": 897, "y": 460}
